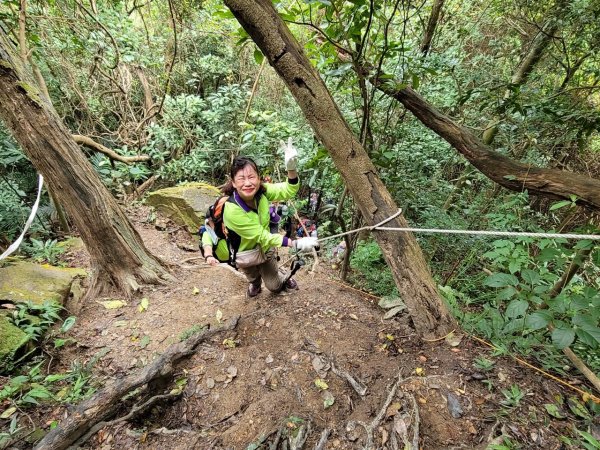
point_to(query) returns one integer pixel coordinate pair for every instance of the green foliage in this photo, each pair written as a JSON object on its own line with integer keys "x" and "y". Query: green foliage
{"x": 35, "y": 319}
{"x": 512, "y": 396}
{"x": 372, "y": 272}
{"x": 47, "y": 251}
{"x": 483, "y": 364}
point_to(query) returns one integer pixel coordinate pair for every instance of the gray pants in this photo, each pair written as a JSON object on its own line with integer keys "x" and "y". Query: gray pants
{"x": 274, "y": 278}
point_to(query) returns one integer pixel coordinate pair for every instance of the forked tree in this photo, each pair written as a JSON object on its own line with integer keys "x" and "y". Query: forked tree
{"x": 402, "y": 253}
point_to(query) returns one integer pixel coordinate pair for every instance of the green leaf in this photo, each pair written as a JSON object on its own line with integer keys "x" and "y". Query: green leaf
{"x": 501, "y": 280}
{"x": 578, "y": 408}
{"x": 145, "y": 341}
{"x": 586, "y": 337}
{"x": 563, "y": 337}
{"x": 561, "y": 204}
{"x": 258, "y": 56}
{"x": 507, "y": 293}
{"x": 530, "y": 276}
{"x": 516, "y": 308}
{"x": 538, "y": 320}
{"x": 68, "y": 324}
{"x": 415, "y": 81}
{"x": 554, "y": 411}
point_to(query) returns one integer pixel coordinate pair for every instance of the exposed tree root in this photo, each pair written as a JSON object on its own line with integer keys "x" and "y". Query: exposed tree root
{"x": 371, "y": 427}
{"x": 105, "y": 403}
{"x": 135, "y": 411}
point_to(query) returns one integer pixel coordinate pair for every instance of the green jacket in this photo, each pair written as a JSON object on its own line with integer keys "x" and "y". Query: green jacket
{"x": 252, "y": 226}
{"x": 221, "y": 252}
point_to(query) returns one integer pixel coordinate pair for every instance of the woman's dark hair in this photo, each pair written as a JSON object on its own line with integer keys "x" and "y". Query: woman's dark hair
{"x": 238, "y": 164}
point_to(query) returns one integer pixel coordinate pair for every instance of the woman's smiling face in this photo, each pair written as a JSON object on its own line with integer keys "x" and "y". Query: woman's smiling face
{"x": 246, "y": 182}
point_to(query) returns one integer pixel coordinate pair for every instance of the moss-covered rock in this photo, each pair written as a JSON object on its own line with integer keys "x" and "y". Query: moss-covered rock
{"x": 11, "y": 340}
{"x": 185, "y": 204}
{"x": 22, "y": 281}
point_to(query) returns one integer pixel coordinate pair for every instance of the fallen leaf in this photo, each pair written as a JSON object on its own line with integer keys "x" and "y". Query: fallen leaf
{"x": 321, "y": 384}
{"x": 400, "y": 427}
{"x": 393, "y": 409}
{"x": 143, "y": 306}
{"x": 384, "y": 436}
{"x": 8, "y": 412}
{"x": 210, "y": 383}
{"x": 321, "y": 366}
{"x": 195, "y": 291}
{"x": 422, "y": 400}
{"x": 454, "y": 339}
{"x": 422, "y": 358}
{"x": 328, "y": 399}
{"x": 353, "y": 316}
{"x": 229, "y": 343}
{"x": 420, "y": 371}
{"x": 144, "y": 341}
{"x": 454, "y": 407}
{"x": 578, "y": 408}
{"x": 219, "y": 315}
{"x": 112, "y": 304}
{"x": 269, "y": 359}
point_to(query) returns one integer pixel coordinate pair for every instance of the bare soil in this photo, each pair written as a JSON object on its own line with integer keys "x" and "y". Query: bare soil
{"x": 249, "y": 386}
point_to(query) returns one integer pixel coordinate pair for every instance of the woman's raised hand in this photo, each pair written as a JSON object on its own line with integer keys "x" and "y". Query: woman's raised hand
{"x": 290, "y": 155}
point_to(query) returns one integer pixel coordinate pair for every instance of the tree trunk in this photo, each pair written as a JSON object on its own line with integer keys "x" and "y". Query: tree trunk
{"x": 117, "y": 252}
{"x": 513, "y": 175}
{"x": 401, "y": 251}
{"x": 431, "y": 26}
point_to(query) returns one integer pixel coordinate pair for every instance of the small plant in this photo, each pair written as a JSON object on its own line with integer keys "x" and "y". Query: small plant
{"x": 512, "y": 396}
{"x": 13, "y": 429}
{"x": 507, "y": 444}
{"x": 34, "y": 319}
{"x": 45, "y": 251}
{"x": 483, "y": 364}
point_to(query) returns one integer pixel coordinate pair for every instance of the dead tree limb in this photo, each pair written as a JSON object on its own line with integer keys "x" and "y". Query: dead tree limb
{"x": 106, "y": 402}
{"x": 89, "y": 142}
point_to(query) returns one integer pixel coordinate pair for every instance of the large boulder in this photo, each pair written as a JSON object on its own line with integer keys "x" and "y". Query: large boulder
{"x": 21, "y": 281}
{"x": 185, "y": 204}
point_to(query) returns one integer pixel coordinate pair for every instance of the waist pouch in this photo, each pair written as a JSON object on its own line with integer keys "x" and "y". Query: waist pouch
{"x": 250, "y": 258}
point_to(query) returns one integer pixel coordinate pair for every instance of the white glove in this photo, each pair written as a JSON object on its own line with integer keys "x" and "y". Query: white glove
{"x": 306, "y": 244}
{"x": 290, "y": 155}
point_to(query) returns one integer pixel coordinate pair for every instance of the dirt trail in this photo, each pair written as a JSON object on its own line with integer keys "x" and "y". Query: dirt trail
{"x": 250, "y": 384}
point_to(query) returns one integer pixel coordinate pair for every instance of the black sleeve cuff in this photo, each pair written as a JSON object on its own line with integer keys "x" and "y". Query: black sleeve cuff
{"x": 293, "y": 180}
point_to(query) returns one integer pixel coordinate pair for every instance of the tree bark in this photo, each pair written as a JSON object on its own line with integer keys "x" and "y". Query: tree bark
{"x": 107, "y": 401}
{"x": 513, "y": 175}
{"x": 431, "y": 26}
{"x": 428, "y": 311}
{"x": 117, "y": 252}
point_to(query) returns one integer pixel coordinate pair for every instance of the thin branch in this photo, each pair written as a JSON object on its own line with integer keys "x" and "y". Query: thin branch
{"x": 89, "y": 142}
{"x": 172, "y": 63}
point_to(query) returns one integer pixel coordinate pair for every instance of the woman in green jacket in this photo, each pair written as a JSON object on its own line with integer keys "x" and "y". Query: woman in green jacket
{"x": 246, "y": 216}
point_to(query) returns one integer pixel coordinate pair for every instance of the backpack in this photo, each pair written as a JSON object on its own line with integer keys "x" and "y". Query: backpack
{"x": 216, "y": 215}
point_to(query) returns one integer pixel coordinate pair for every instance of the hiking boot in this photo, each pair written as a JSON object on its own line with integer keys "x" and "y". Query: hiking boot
{"x": 291, "y": 284}
{"x": 253, "y": 290}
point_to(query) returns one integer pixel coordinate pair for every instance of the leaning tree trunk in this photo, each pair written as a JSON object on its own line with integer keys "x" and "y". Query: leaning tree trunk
{"x": 117, "y": 252}
{"x": 401, "y": 251}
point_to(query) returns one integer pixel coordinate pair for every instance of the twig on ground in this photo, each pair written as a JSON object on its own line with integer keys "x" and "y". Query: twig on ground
{"x": 360, "y": 388}
{"x": 371, "y": 427}
{"x": 323, "y": 440}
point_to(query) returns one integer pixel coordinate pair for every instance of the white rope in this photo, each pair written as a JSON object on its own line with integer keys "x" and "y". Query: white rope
{"x": 378, "y": 227}
{"x": 15, "y": 245}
